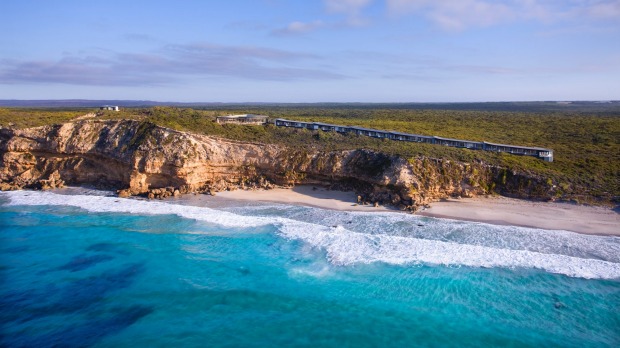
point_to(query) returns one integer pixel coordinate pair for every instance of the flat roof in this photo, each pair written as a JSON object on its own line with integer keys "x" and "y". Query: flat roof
{"x": 244, "y": 116}
{"x": 418, "y": 135}
{"x": 285, "y": 120}
{"x": 411, "y": 135}
{"x": 368, "y": 129}
{"x": 400, "y": 133}
{"x": 519, "y": 147}
{"x": 450, "y": 139}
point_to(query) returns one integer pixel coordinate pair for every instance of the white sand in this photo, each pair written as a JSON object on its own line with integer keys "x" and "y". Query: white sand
{"x": 494, "y": 210}
{"x": 507, "y": 211}
{"x": 304, "y": 195}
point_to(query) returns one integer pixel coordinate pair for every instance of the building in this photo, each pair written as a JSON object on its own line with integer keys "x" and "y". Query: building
{"x": 249, "y": 119}
{"x": 110, "y": 108}
{"x": 538, "y": 152}
{"x": 542, "y": 153}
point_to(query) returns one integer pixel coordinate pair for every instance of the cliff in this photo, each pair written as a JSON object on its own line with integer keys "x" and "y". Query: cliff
{"x": 140, "y": 158}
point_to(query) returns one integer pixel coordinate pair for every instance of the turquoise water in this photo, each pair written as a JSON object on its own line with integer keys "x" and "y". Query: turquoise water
{"x": 106, "y": 272}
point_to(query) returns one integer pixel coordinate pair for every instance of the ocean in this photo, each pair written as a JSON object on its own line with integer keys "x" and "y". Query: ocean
{"x": 90, "y": 269}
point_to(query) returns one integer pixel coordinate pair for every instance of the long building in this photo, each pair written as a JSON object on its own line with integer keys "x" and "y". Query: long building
{"x": 538, "y": 152}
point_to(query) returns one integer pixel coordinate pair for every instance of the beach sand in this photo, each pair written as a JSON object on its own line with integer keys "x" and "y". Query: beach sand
{"x": 517, "y": 212}
{"x": 493, "y": 210}
{"x": 305, "y": 195}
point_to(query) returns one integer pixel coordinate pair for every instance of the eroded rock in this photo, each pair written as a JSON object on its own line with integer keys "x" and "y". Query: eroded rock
{"x": 140, "y": 158}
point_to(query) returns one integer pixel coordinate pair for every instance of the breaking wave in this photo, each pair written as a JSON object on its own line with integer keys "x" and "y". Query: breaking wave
{"x": 351, "y": 237}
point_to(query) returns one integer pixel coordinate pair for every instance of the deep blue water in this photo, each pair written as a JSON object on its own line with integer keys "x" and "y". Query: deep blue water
{"x": 106, "y": 272}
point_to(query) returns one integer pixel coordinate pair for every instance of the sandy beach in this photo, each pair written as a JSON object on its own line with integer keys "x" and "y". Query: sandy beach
{"x": 493, "y": 210}
{"x": 304, "y": 195}
{"x": 508, "y": 211}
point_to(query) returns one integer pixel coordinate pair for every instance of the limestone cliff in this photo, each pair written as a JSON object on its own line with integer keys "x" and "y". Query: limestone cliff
{"x": 140, "y": 158}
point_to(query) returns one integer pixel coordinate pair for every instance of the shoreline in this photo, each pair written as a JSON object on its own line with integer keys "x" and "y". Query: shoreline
{"x": 499, "y": 210}
{"x": 312, "y": 196}
{"x": 496, "y": 210}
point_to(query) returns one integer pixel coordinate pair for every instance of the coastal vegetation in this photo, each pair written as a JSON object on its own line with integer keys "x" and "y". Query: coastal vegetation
{"x": 34, "y": 117}
{"x": 586, "y": 141}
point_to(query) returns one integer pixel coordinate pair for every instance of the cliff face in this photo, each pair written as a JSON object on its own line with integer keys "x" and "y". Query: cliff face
{"x": 142, "y": 158}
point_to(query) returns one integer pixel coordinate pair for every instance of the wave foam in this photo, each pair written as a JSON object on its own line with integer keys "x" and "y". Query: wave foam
{"x": 344, "y": 247}
{"x": 442, "y": 242}
{"x": 103, "y": 204}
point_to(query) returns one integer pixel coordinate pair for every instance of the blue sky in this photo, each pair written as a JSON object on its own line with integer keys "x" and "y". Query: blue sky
{"x": 311, "y": 50}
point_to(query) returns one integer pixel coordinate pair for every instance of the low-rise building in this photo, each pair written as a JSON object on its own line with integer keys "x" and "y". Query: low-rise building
{"x": 541, "y": 153}
{"x": 242, "y": 119}
{"x": 110, "y": 108}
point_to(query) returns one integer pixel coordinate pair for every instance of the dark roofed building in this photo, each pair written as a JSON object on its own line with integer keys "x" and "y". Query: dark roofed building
{"x": 542, "y": 153}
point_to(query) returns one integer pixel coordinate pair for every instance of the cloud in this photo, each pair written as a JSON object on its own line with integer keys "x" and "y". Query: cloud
{"x": 458, "y": 15}
{"x": 603, "y": 9}
{"x": 297, "y": 28}
{"x": 352, "y": 9}
{"x": 349, "y": 7}
{"x": 170, "y": 64}
{"x": 73, "y": 70}
{"x": 418, "y": 67}
{"x": 455, "y": 15}
{"x": 433, "y": 68}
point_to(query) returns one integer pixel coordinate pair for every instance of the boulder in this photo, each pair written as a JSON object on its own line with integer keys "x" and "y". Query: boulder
{"x": 124, "y": 193}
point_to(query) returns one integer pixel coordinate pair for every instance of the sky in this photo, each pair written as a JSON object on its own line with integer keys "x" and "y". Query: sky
{"x": 311, "y": 50}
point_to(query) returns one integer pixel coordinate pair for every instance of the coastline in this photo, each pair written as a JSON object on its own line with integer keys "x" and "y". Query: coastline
{"x": 546, "y": 215}
{"x": 313, "y": 196}
{"x": 495, "y": 210}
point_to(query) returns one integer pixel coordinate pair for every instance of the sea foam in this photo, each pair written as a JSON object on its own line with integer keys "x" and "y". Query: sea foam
{"x": 350, "y": 238}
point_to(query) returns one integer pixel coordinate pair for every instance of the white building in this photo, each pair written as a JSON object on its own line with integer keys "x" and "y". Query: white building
{"x": 110, "y": 107}
{"x": 242, "y": 119}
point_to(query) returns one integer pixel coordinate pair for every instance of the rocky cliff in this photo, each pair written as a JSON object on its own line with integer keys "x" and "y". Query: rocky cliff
{"x": 139, "y": 158}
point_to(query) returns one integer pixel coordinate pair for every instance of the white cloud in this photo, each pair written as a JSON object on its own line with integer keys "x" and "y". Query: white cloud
{"x": 171, "y": 63}
{"x": 351, "y": 9}
{"x": 456, "y": 15}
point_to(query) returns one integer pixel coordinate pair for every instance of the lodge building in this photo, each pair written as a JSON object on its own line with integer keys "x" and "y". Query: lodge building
{"x": 242, "y": 119}
{"x": 110, "y": 108}
{"x": 538, "y": 152}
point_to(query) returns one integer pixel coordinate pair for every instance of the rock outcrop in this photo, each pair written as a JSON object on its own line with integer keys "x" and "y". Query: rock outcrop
{"x": 140, "y": 158}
